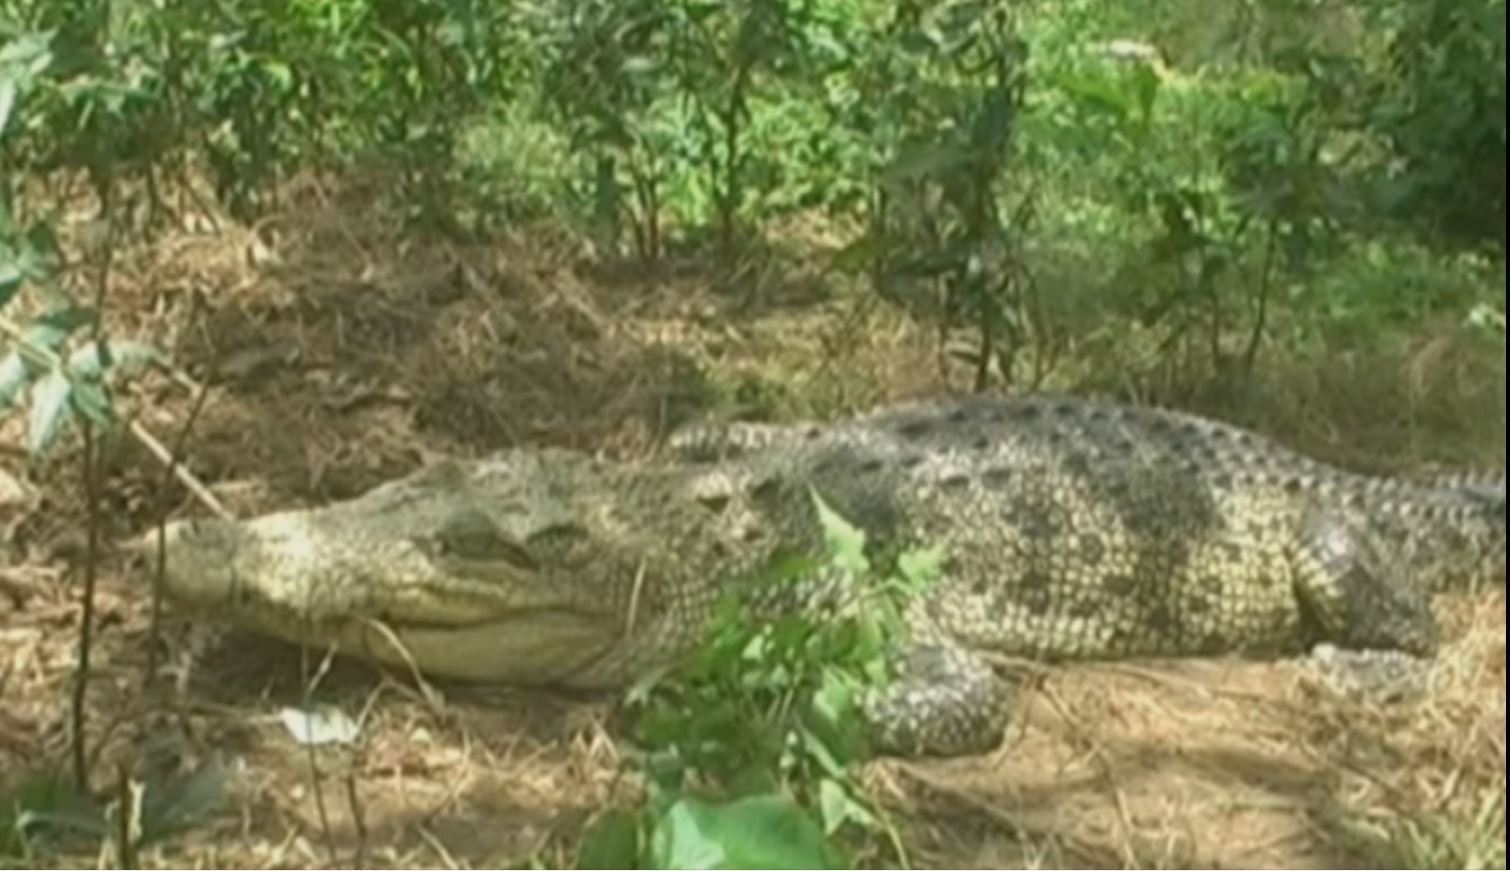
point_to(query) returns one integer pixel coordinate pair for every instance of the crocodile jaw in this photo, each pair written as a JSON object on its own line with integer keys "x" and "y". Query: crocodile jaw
{"x": 291, "y": 575}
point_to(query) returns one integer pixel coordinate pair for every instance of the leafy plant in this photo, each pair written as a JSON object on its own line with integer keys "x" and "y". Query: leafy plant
{"x": 47, "y": 809}
{"x": 1434, "y": 98}
{"x": 946, "y": 87}
{"x": 753, "y": 745}
{"x": 60, "y": 384}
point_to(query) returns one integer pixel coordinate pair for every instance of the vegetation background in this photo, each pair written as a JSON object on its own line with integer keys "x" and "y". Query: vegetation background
{"x": 304, "y": 245}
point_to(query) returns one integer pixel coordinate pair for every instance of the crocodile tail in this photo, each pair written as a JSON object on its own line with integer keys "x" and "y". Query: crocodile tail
{"x": 1486, "y": 487}
{"x": 1457, "y": 526}
{"x": 1489, "y": 488}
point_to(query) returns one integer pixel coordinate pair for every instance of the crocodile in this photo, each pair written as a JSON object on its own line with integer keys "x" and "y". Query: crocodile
{"x": 1072, "y": 529}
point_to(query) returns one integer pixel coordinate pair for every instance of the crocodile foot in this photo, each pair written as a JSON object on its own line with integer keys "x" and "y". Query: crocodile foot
{"x": 1379, "y": 676}
{"x": 946, "y": 702}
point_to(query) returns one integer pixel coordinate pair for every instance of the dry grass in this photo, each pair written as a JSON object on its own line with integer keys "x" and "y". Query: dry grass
{"x": 342, "y": 352}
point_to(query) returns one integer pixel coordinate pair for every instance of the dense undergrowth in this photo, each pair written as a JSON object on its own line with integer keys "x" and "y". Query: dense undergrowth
{"x": 1281, "y": 212}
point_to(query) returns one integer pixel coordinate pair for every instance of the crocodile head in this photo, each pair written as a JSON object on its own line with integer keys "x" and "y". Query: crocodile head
{"x": 489, "y": 570}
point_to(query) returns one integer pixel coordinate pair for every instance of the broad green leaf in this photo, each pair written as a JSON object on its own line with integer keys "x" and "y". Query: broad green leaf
{"x": 7, "y": 100}
{"x": 321, "y": 725}
{"x": 126, "y": 358}
{"x": 612, "y": 841}
{"x": 40, "y": 254}
{"x": 14, "y": 376}
{"x": 763, "y": 831}
{"x": 846, "y": 542}
{"x": 872, "y": 643}
{"x": 281, "y": 73}
{"x": 27, "y": 56}
{"x": 684, "y": 838}
{"x": 838, "y": 806}
{"x": 81, "y": 818}
{"x": 51, "y": 330}
{"x": 50, "y": 411}
{"x": 174, "y": 804}
{"x": 41, "y": 801}
{"x": 921, "y": 568}
{"x": 833, "y": 804}
{"x": 834, "y": 702}
{"x": 11, "y": 278}
{"x": 90, "y": 399}
{"x": 821, "y": 753}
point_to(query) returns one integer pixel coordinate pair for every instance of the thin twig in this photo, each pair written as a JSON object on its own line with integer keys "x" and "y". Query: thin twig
{"x": 184, "y": 476}
{"x": 154, "y": 631}
{"x": 358, "y": 820}
{"x": 431, "y": 697}
{"x": 1265, "y": 282}
{"x": 92, "y": 522}
{"x": 634, "y": 600}
{"x": 49, "y": 359}
{"x": 86, "y": 618}
{"x": 315, "y": 780}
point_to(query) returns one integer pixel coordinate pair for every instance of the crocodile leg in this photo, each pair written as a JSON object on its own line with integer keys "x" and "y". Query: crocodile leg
{"x": 946, "y": 701}
{"x": 1376, "y": 630}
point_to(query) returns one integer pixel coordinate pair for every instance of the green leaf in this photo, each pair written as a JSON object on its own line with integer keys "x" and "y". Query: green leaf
{"x": 834, "y": 702}
{"x": 51, "y": 330}
{"x": 838, "y": 806}
{"x": 846, "y": 542}
{"x": 27, "y": 56}
{"x": 872, "y": 642}
{"x": 174, "y": 804}
{"x": 41, "y": 801}
{"x": 763, "y": 831}
{"x": 40, "y": 256}
{"x": 11, "y": 278}
{"x": 833, "y": 804}
{"x": 14, "y": 376}
{"x": 280, "y": 73}
{"x": 50, "y": 411}
{"x": 611, "y": 841}
{"x": 684, "y": 838}
{"x": 921, "y": 568}
{"x": 7, "y": 101}
{"x": 819, "y": 751}
{"x": 90, "y": 399}
{"x": 121, "y": 357}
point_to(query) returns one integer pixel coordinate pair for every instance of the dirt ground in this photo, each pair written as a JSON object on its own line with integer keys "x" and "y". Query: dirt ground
{"x": 341, "y": 351}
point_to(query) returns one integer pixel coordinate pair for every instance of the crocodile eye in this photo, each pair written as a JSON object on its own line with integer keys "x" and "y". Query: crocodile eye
{"x": 557, "y": 539}
{"x": 473, "y": 536}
